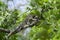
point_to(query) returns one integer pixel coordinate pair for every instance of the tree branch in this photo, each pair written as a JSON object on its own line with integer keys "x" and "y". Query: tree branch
{"x": 30, "y": 21}
{"x": 4, "y": 30}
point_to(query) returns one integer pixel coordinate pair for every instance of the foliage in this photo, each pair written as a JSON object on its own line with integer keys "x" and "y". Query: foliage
{"x": 9, "y": 20}
{"x": 48, "y": 28}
